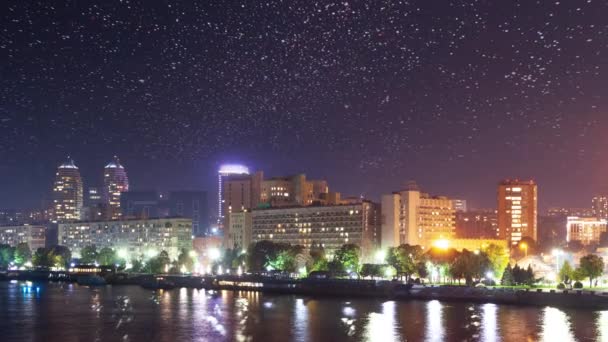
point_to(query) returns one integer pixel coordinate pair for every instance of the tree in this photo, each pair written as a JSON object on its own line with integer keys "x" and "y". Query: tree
{"x": 470, "y": 266}
{"x": 565, "y": 273}
{"x": 319, "y": 259}
{"x": 60, "y": 256}
{"x": 260, "y": 253}
{"x": 406, "y": 260}
{"x": 88, "y": 254}
{"x": 160, "y": 263}
{"x": 107, "y": 257}
{"x": 592, "y": 266}
{"x": 42, "y": 258}
{"x": 22, "y": 254}
{"x": 499, "y": 259}
{"x": 371, "y": 270}
{"x": 507, "y": 276}
{"x": 348, "y": 256}
{"x": 6, "y": 255}
{"x": 185, "y": 262}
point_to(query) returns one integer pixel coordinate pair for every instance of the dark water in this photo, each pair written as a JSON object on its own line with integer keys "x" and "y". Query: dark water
{"x": 66, "y": 312}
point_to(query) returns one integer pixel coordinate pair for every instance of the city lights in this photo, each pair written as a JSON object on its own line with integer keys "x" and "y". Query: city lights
{"x": 442, "y": 244}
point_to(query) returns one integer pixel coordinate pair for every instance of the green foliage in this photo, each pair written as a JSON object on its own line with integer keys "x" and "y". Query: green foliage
{"x": 159, "y": 264}
{"x": 578, "y": 285}
{"x": 592, "y": 267}
{"x": 60, "y": 256}
{"x": 407, "y": 260}
{"x": 470, "y": 266}
{"x": 260, "y": 253}
{"x": 565, "y": 273}
{"x": 348, "y": 257}
{"x": 561, "y": 286}
{"x": 41, "y": 258}
{"x": 498, "y": 257}
{"x": 371, "y": 270}
{"x": 523, "y": 276}
{"x": 88, "y": 255}
{"x": 108, "y": 257}
{"x": 507, "y": 277}
{"x": 22, "y": 254}
{"x": 6, "y": 255}
{"x": 138, "y": 266}
{"x": 319, "y": 259}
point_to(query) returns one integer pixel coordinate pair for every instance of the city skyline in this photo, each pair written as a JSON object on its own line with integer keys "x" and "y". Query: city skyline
{"x": 473, "y": 92}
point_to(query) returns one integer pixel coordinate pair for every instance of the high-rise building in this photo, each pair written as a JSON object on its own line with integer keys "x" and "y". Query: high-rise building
{"x": 416, "y": 218}
{"x": 477, "y": 225}
{"x": 67, "y": 193}
{"x": 326, "y": 226}
{"x": 600, "y": 207}
{"x": 115, "y": 182}
{"x": 227, "y": 173}
{"x": 460, "y": 205}
{"x": 140, "y": 204}
{"x": 292, "y": 191}
{"x": 517, "y": 210}
{"x": 586, "y": 230}
{"x": 192, "y": 205}
{"x": 131, "y": 237}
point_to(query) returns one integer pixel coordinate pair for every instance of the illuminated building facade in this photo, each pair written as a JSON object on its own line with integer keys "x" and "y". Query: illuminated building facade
{"x": 291, "y": 191}
{"x": 67, "y": 193}
{"x": 134, "y": 237}
{"x": 600, "y": 207}
{"x": 460, "y": 205}
{"x": 115, "y": 182}
{"x": 517, "y": 210}
{"x": 327, "y": 226}
{"x": 585, "y": 229}
{"x": 240, "y": 230}
{"x": 33, "y": 235}
{"x": 416, "y": 218}
{"x": 233, "y": 192}
{"x": 477, "y": 225}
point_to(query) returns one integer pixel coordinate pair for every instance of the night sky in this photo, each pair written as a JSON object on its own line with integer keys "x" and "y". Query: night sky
{"x": 367, "y": 94}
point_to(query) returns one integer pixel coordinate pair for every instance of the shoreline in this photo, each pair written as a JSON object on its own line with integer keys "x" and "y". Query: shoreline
{"x": 346, "y": 288}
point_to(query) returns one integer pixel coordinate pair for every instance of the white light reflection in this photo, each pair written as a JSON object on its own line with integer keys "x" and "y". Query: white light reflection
{"x": 434, "y": 326}
{"x": 602, "y": 325}
{"x": 489, "y": 328}
{"x": 301, "y": 321}
{"x": 556, "y": 326}
{"x": 382, "y": 327}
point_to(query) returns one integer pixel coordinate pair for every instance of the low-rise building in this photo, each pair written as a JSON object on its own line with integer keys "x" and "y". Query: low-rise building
{"x": 134, "y": 237}
{"x": 326, "y": 226}
{"x": 33, "y": 235}
{"x": 585, "y": 229}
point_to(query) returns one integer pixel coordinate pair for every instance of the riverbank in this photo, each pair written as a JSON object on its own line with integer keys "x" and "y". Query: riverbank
{"x": 347, "y": 288}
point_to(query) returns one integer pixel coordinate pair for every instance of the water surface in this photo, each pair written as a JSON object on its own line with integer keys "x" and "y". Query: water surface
{"x": 68, "y": 312}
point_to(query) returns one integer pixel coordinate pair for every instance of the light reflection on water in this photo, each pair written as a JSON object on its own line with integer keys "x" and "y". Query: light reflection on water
{"x": 62, "y": 312}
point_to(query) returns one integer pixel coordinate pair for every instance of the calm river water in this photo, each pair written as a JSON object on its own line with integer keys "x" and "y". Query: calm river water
{"x": 68, "y": 312}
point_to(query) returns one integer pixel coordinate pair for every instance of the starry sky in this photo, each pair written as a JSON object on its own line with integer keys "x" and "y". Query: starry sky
{"x": 456, "y": 94}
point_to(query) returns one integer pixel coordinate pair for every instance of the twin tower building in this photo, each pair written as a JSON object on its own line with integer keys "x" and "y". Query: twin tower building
{"x": 68, "y": 193}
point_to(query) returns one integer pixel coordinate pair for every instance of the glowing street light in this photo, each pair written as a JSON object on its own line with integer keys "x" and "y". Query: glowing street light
{"x": 380, "y": 256}
{"x": 214, "y": 254}
{"x": 556, "y": 253}
{"x": 442, "y": 244}
{"x": 524, "y": 246}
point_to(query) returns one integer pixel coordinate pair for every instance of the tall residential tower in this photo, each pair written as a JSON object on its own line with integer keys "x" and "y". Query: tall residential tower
{"x": 115, "y": 181}
{"x": 67, "y": 193}
{"x": 517, "y": 210}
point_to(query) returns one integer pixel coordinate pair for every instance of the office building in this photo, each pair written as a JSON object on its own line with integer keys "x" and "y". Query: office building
{"x": 239, "y": 193}
{"x": 33, "y": 235}
{"x": 115, "y": 182}
{"x": 192, "y": 205}
{"x": 460, "y": 205}
{"x": 477, "y": 225}
{"x": 292, "y": 191}
{"x": 585, "y": 230}
{"x": 416, "y": 218}
{"x": 517, "y": 210}
{"x": 565, "y": 212}
{"x": 326, "y": 226}
{"x": 140, "y": 205}
{"x": 134, "y": 238}
{"x": 67, "y": 193}
{"x": 600, "y": 207}
{"x": 240, "y": 230}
